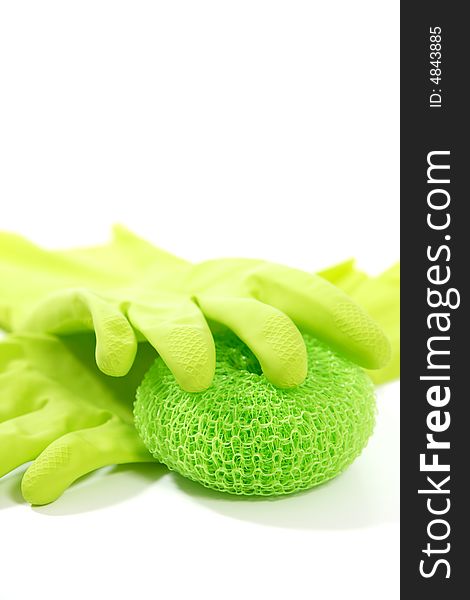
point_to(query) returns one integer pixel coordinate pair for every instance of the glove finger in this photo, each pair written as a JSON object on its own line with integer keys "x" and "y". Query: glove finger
{"x": 271, "y": 335}
{"x": 325, "y": 311}
{"x": 182, "y": 337}
{"x": 380, "y": 296}
{"x": 23, "y": 438}
{"x": 78, "y": 310}
{"x": 78, "y": 453}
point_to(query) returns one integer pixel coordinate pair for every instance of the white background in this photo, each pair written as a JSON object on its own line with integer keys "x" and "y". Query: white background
{"x": 263, "y": 129}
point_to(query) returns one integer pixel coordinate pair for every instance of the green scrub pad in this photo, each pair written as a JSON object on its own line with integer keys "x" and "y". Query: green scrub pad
{"x": 244, "y": 435}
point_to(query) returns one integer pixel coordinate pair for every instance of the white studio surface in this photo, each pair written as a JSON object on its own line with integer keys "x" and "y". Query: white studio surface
{"x": 262, "y": 129}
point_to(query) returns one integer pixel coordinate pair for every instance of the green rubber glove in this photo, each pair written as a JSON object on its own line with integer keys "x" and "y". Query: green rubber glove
{"x": 129, "y": 291}
{"x": 56, "y": 405}
{"x": 380, "y": 297}
{"x": 58, "y": 410}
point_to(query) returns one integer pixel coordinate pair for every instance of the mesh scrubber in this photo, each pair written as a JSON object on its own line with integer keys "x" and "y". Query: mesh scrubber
{"x": 245, "y": 436}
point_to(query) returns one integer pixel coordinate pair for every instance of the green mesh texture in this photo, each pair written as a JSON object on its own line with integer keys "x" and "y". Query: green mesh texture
{"x": 245, "y": 436}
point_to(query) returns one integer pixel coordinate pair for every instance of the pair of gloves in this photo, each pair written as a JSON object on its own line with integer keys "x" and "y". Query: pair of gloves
{"x": 71, "y": 412}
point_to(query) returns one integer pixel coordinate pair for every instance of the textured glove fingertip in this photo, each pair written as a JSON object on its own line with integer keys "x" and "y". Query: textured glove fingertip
{"x": 190, "y": 355}
{"x": 372, "y": 348}
{"x": 37, "y": 486}
{"x": 116, "y": 357}
{"x": 285, "y": 364}
{"x": 201, "y": 384}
